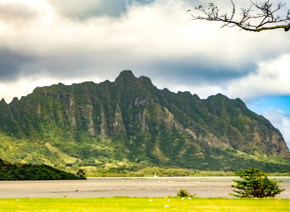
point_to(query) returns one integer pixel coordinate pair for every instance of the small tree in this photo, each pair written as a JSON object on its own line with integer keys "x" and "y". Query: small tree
{"x": 255, "y": 184}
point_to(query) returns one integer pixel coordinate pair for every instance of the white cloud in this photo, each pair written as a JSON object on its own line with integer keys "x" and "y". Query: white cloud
{"x": 15, "y": 12}
{"x": 158, "y": 40}
{"x": 25, "y": 85}
{"x": 280, "y": 121}
{"x": 272, "y": 78}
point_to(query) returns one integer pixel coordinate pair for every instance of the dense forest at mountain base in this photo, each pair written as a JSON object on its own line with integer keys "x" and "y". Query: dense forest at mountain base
{"x": 129, "y": 124}
{"x": 10, "y": 171}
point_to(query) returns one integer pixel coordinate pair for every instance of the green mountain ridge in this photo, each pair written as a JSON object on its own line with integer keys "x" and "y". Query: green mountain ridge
{"x": 130, "y": 123}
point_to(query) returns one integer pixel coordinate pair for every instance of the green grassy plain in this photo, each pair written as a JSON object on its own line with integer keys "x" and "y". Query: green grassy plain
{"x": 145, "y": 205}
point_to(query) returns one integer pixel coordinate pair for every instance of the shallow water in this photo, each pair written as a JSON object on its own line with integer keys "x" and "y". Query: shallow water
{"x": 132, "y": 187}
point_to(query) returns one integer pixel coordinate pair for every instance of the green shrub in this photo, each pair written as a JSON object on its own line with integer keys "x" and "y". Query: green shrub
{"x": 255, "y": 184}
{"x": 184, "y": 193}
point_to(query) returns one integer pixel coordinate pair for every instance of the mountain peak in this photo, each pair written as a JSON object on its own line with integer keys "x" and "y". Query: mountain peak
{"x": 127, "y": 78}
{"x": 3, "y": 100}
{"x": 146, "y": 81}
{"x": 126, "y": 74}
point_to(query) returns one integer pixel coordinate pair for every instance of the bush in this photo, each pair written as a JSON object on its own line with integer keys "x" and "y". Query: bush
{"x": 255, "y": 184}
{"x": 184, "y": 193}
{"x": 81, "y": 174}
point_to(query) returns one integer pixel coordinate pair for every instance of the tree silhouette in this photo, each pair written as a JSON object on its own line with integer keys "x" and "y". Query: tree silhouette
{"x": 266, "y": 19}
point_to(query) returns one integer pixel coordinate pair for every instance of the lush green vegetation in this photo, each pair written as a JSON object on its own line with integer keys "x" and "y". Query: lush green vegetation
{"x": 255, "y": 183}
{"x": 33, "y": 172}
{"x": 92, "y": 171}
{"x": 149, "y": 172}
{"x": 111, "y": 161}
{"x": 127, "y": 125}
{"x": 145, "y": 205}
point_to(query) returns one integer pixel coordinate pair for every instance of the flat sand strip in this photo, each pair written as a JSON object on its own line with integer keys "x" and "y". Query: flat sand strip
{"x": 132, "y": 187}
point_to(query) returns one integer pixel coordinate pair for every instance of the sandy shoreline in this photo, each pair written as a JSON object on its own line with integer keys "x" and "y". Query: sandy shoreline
{"x": 132, "y": 187}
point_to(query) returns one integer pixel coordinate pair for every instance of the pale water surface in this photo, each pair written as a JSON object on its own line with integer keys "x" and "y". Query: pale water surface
{"x": 132, "y": 187}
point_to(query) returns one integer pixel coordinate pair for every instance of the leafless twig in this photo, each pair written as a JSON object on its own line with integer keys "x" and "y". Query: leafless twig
{"x": 267, "y": 19}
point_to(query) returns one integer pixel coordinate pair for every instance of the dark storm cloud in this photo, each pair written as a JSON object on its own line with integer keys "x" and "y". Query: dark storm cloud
{"x": 12, "y": 64}
{"x": 69, "y": 66}
{"x": 177, "y": 71}
{"x": 86, "y": 9}
{"x": 11, "y": 12}
{"x": 200, "y": 72}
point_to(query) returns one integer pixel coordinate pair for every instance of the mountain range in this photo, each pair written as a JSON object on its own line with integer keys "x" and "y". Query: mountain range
{"x": 131, "y": 123}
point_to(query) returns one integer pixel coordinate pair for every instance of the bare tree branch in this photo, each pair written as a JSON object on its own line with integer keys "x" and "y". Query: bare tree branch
{"x": 267, "y": 19}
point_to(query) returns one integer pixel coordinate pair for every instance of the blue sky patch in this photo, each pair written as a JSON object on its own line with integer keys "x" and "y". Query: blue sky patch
{"x": 262, "y": 104}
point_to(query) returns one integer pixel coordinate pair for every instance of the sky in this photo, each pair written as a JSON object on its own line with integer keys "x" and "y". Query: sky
{"x": 44, "y": 42}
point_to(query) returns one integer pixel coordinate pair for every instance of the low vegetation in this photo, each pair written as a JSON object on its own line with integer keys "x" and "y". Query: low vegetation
{"x": 148, "y": 172}
{"x": 92, "y": 171}
{"x": 126, "y": 169}
{"x": 10, "y": 171}
{"x": 184, "y": 193}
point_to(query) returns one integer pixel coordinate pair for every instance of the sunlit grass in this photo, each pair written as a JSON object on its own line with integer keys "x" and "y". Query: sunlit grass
{"x": 65, "y": 157}
{"x": 145, "y": 204}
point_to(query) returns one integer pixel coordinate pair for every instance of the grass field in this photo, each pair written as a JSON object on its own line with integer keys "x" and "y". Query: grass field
{"x": 145, "y": 205}
{"x": 65, "y": 157}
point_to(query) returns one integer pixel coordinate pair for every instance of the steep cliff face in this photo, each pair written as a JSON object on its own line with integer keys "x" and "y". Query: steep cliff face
{"x": 130, "y": 118}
